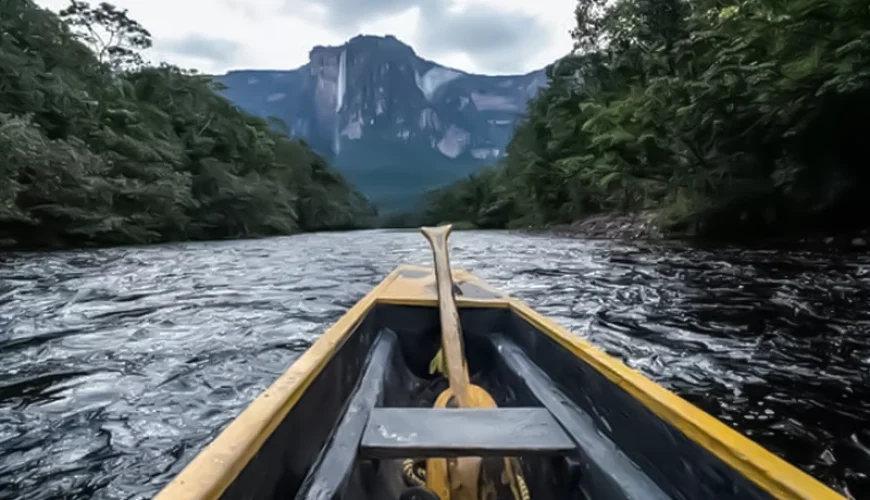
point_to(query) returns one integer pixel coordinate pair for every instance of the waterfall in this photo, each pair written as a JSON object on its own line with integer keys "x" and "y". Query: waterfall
{"x": 341, "y": 87}
{"x": 342, "y": 81}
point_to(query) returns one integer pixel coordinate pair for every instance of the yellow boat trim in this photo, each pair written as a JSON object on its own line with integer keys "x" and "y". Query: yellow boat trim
{"x": 771, "y": 473}
{"x": 213, "y": 470}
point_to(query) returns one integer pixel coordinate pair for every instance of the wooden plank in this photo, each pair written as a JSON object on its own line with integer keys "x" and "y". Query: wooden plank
{"x": 330, "y": 474}
{"x": 449, "y": 432}
{"x": 608, "y": 472}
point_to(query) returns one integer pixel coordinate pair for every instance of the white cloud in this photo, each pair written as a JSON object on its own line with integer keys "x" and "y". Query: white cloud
{"x": 403, "y": 25}
{"x": 278, "y": 34}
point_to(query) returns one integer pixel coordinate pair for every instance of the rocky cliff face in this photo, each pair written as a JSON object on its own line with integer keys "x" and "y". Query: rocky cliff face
{"x": 394, "y": 123}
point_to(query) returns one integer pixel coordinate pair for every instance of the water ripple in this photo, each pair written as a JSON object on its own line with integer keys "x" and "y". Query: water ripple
{"x": 120, "y": 365}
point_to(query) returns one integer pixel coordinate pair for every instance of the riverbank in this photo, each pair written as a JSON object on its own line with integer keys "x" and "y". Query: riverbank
{"x": 613, "y": 226}
{"x": 644, "y": 226}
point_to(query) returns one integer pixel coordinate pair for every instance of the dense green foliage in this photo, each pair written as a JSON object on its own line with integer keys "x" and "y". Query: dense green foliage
{"x": 97, "y": 148}
{"x": 729, "y": 117}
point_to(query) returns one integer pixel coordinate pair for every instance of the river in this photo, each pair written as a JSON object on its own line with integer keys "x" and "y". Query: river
{"x": 119, "y": 365}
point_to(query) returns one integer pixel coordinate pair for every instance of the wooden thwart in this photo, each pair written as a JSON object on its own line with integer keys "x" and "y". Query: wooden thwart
{"x": 437, "y": 432}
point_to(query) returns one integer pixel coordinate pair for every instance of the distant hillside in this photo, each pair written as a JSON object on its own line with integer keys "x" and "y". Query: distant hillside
{"x": 393, "y": 123}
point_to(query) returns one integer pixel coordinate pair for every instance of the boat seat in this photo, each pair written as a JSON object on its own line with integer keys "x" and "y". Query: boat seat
{"x": 450, "y": 432}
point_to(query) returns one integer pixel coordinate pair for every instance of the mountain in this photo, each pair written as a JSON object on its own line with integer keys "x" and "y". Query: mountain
{"x": 393, "y": 123}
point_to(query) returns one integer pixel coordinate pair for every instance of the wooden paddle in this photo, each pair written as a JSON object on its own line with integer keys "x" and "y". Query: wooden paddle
{"x": 456, "y": 479}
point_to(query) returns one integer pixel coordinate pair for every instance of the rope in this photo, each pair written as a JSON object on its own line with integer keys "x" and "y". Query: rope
{"x": 414, "y": 474}
{"x": 524, "y": 489}
{"x": 524, "y": 493}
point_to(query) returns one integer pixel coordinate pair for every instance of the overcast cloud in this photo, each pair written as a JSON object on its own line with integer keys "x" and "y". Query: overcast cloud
{"x": 217, "y": 51}
{"x": 480, "y": 36}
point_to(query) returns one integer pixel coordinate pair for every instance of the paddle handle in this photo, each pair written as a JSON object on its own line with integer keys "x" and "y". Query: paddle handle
{"x": 451, "y": 331}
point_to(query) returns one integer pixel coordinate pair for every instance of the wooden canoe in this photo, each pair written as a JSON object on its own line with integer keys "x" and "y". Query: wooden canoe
{"x": 340, "y": 421}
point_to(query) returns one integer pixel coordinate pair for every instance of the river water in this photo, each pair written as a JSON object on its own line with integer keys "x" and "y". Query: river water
{"x": 119, "y": 365}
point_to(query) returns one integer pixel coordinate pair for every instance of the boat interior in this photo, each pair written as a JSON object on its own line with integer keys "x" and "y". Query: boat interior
{"x": 366, "y": 423}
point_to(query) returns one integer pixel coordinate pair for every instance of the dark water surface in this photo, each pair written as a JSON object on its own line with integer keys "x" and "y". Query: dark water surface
{"x": 118, "y": 366}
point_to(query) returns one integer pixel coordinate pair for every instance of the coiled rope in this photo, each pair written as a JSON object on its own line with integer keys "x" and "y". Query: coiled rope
{"x": 414, "y": 472}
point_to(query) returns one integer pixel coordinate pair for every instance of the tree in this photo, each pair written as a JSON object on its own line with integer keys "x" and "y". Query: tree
{"x": 115, "y": 37}
{"x": 95, "y": 157}
{"x": 731, "y": 120}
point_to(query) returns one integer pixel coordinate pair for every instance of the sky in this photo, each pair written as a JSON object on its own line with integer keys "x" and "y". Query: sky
{"x": 479, "y": 36}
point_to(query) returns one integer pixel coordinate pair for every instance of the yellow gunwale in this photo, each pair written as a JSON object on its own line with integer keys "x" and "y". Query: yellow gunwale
{"x": 212, "y": 471}
{"x": 215, "y": 468}
{"x": 771, "y": 473}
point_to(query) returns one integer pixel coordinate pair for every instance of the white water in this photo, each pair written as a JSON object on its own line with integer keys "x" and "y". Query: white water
{"x": 342, "y": 81}
{"x": 339, "y": 99}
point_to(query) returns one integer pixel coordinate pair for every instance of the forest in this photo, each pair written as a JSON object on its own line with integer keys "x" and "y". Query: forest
{"x": 728, "y": 119}
{"x": 99, "y": 148}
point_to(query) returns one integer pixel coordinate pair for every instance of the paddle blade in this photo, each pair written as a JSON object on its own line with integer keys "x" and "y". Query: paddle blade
{"x": 437, "y": 234}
